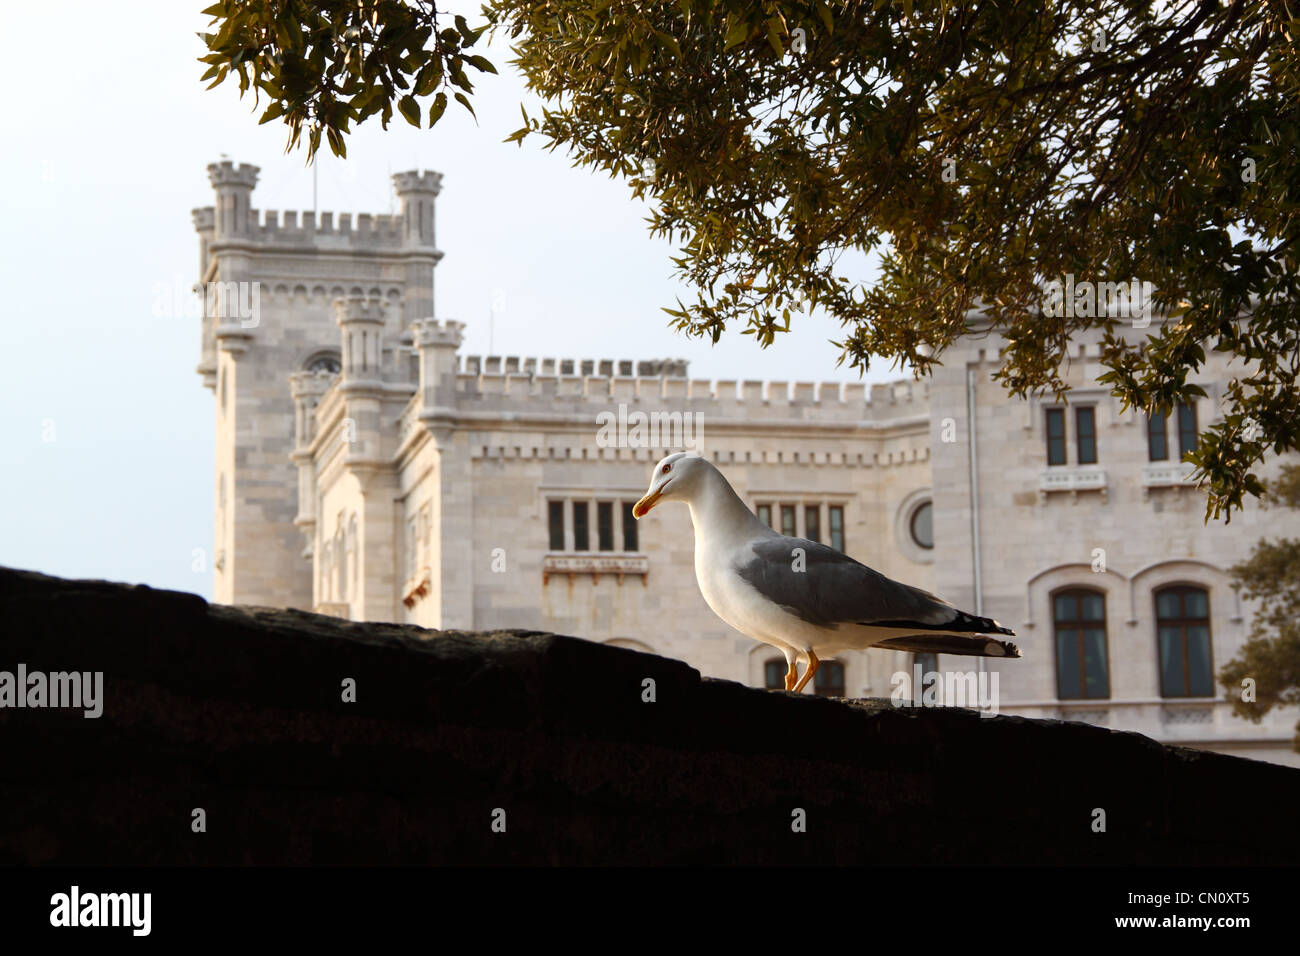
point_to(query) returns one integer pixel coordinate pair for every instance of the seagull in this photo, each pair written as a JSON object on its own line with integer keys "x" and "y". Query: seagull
{"x": 804, "y": 598}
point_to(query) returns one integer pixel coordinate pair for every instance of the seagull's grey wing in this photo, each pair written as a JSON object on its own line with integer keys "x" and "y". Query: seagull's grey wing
{"x": 826, "y": 587}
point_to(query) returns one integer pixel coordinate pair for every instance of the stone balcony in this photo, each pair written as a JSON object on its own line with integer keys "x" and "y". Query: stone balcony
{"x": 1167, "y": 474}
{"x": 1072, "y": 479}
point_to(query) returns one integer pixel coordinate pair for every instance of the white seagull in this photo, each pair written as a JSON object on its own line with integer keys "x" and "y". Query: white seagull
{"x": 801, "y": 597}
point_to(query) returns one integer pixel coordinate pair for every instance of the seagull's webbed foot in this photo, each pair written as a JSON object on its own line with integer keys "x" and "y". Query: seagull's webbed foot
{"x": 813, "y": 664}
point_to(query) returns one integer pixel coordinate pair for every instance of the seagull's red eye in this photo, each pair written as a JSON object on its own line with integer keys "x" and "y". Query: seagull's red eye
{"x": 667, "y": 468}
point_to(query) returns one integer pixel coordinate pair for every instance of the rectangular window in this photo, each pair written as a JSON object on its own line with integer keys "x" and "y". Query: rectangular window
{"x": 1186, "y": 428}
{"x": 1085, "y": 428}
{"x": 787, "y": 520}
{"x": 1157, "y": 438}
{"x": 765, "y": 514}
{"x": 837, "y": 527}
{"x": 1056, "y": 436}
{"x": 812, "y": 523}
{"x": 605, "y": 524}
{"x": 1082, "y": 668}
{"x": 1183, "y": 636}
{"x": 629, "y": 528}
{"x": 581, "y": 541}
{"x": 555, "y": 519}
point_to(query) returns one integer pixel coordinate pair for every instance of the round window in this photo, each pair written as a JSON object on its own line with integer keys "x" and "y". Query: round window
{"x": 922, "y": 525}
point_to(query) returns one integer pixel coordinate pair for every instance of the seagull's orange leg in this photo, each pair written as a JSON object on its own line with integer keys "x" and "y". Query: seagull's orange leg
{"x": 813, "y": 664}
{"x": 791, "y": 675}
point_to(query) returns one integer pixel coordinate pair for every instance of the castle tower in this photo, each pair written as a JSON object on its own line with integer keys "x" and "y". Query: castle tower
{"x": 234, "y": 187}
{"x": 269, "y": 287}
{"x": 417, "y": 192}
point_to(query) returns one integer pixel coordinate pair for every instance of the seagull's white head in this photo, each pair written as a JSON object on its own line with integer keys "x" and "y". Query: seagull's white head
{"x": 675, "y": 478}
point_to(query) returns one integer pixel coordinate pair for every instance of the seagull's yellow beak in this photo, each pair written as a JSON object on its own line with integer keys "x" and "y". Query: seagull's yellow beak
{"x": 642, "y": 507}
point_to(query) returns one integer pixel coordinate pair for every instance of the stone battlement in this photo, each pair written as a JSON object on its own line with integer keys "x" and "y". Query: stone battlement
{"x": 304, "y": 228}
{"x": 607, "y": 379}
{"x": 233, "y": 219}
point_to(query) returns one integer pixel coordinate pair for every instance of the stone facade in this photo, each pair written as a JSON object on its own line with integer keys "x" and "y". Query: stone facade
{"x": 367, "y": 469}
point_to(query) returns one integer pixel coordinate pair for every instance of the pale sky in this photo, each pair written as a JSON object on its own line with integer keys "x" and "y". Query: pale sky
{"x": 107, "y": 462}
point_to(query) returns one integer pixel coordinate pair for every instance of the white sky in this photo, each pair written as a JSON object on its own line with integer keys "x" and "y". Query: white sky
{"x": 107, "y": 460}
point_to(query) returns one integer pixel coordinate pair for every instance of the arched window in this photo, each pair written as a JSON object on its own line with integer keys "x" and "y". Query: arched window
{"x": 774, "y": 673}
{"x": 1082, "y": 666}
{"x": 1183, "y": 639}
{"x": 324, "y": 362}
{"x": 829, "y": 679}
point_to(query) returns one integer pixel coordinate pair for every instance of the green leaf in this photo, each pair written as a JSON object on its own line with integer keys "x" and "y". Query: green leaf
{"x": 410, "y": 109}
{"x": 669, "y": 42}
{"x": 737, "y": 32}
{"x": 463, "y": 100}
{"x": 272, "y": 112}
{"x": 774, "y": 35}
{"x": 438, "y": 108}
{"x": 480, "y": 63}
{"x": 824, "y": 12}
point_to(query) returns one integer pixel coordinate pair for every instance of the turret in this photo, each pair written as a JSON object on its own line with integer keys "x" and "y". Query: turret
{"x": 417, "y": 191}
{"x": 234, "y": 188}
{"x": 437, "y": 341}
{"x": 362, "y": 322}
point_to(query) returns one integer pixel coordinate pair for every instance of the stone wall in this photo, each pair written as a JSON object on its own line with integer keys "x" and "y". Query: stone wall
{"x": 237, "y": 711}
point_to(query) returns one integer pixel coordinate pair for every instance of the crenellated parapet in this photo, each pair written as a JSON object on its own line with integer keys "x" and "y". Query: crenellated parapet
{"x": 417, "y": 181}
{"x": 503, "y": 383}
{"x": 606, "y": 368}
{"x": 444, "y": 333}
{"x": 233, "y": 219}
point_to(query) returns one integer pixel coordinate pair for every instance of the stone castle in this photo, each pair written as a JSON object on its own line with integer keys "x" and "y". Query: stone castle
{"x": 366, "y": 469}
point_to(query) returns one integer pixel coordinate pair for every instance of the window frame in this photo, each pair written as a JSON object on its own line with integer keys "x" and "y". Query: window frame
{"x": 832, "y": 511}
{"x": 631, "y": 540}
{"x": 1186, "y": 411}
{"x": 1056, "y": 413}
{"x": 1183, "y": 622}
{"x": 1082, "y": 435}
{"x": 812, "y": 530}
{"x": 605, "y": 525}
{"x": 574, "y": 505}
{"x": 823, "y": 531}
{"x": 791, "y": 510}
{"x": 1078, "y": 625}
{"x": 565, "y": 540}
{"x": 555, "y": 508}
{"x": 1162, "y": 431}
